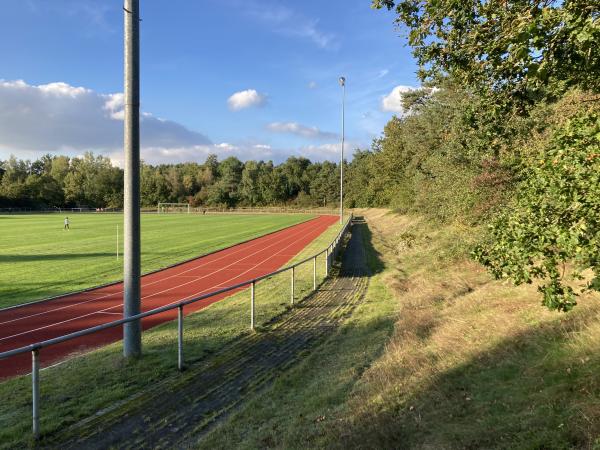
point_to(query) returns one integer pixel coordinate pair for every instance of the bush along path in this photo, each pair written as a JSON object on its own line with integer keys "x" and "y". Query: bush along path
{"x": 179, "y": 412}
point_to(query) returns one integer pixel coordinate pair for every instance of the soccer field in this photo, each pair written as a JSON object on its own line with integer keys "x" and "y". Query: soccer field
{"x": 39, "y": 259}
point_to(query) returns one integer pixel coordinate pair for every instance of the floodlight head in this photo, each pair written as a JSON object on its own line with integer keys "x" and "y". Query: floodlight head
{"x": 342, "y": 81}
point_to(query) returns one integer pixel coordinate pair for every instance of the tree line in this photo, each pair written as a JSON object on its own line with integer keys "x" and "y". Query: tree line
{"x": 92, "y": 181}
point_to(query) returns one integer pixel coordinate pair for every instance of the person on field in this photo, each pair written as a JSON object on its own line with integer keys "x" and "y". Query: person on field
{"x": 67, "y": 223}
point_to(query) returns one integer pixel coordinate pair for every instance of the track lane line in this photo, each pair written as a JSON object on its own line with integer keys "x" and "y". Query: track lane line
{"x": 233, "y": 278}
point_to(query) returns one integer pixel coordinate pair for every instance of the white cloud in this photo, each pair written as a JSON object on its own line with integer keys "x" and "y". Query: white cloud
{"x": 322, "y": 152}
{"x": 114, "y": 106}
{"x": 312, "y": 85}
{"x": 393, "y": 101}
{"x": 382, "y": 73}
{"x": 198, "y": 153}
{"x": 300, "y": 130}
{"x": 61, "y": 89}
{"x": 329, "y": 152}
{"x": 57, "y": 117}
{"x": 246, "y": 99}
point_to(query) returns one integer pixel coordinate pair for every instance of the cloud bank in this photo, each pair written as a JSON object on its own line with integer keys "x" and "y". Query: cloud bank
{"x": 58, "y": 118}
{"x": 300, "y": 130}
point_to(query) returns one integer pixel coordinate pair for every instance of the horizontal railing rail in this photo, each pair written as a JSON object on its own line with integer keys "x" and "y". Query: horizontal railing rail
{"x": 330, "y": 253}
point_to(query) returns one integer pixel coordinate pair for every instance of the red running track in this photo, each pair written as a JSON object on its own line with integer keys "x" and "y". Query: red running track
{"x": 37, "y": 322}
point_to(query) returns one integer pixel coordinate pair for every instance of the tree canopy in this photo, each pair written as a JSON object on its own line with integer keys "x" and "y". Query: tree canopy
{"x": 515, "y": 52}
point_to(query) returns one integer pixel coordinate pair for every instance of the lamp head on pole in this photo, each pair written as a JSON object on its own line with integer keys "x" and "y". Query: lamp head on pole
{"x": 342, "y": 81}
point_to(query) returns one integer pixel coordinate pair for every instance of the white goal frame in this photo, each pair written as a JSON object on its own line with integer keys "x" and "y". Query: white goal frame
{"x": 163, "y": 207}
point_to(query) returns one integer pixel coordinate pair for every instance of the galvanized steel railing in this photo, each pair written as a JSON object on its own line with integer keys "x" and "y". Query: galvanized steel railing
{"x": 330, "y": 254}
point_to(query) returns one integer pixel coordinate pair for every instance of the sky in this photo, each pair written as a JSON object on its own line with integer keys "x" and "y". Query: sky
{"x": 256, "y": 79}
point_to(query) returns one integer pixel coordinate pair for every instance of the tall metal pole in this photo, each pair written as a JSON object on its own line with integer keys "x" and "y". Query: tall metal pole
{"x": 343, "y": 83}
{"x": 132, "y": 331}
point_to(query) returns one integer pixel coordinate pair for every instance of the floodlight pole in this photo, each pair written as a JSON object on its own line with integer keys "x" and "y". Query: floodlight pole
{"x": 343, "y": 84}
{"x": 132, "y": 331}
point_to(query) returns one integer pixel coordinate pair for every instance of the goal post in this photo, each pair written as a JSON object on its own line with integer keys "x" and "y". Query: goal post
{"x": 173, "y": 208}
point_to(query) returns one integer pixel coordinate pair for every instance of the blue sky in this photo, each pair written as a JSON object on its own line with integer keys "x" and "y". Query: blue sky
{"x": 253, "y": 78}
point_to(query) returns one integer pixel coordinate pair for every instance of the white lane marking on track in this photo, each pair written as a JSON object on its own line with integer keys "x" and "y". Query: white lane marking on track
{"x": 227, "y": 281}
{"x": 151, "y": 295}
{"x": 143, "y": 285}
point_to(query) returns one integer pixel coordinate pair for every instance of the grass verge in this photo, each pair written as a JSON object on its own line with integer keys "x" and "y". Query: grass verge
{"x": 469, "y": 362}
{"x": 84, "y": 385}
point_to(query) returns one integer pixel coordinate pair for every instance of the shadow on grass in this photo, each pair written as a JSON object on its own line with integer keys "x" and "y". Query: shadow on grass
{"x": 51, "y": 257}
{"x": 81, "y": 386}
{"x": 528, "y": 391}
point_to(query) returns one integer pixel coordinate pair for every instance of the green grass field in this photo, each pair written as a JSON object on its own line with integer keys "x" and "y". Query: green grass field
{"x": 39, "y": 259}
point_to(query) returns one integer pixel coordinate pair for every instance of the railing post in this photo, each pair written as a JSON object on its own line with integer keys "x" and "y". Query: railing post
{"x": 327, "y": 262}
{"x": 314, "y": 273}
{"x": 252, "y": 305}
{"x": 35, "y": 391}
{"x": 292, "y": 286}
{"x": 180, "y": 337}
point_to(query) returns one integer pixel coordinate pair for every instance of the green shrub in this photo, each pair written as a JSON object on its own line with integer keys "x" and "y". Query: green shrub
{"x": 552, "y": 232}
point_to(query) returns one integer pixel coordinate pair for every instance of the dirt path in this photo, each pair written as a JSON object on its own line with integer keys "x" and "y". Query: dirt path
{"x": 177, "y": 413}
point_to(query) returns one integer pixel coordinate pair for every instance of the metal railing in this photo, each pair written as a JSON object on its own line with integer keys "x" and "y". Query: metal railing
{"x": 330, "y": 252}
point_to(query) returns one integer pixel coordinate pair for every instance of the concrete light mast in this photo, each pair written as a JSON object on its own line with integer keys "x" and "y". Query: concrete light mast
{"x": 132, "y": 331}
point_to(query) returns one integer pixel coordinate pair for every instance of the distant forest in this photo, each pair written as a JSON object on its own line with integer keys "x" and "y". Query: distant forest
{"x": 92, "y": 181}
